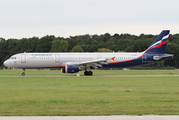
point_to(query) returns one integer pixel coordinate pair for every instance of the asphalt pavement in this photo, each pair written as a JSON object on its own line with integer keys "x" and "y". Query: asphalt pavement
{"x": 115, "y": 117}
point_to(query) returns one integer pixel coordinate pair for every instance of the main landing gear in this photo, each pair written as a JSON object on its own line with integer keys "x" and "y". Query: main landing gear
{"x": 23, "y": 73}
{"x": 89, "y": 73}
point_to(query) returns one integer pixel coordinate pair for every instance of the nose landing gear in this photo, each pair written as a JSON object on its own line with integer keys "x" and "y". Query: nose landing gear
{"x": 23, "y": 73}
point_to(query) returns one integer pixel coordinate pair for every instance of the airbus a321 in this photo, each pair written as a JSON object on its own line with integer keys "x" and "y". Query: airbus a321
{"x": 75, "y": 62}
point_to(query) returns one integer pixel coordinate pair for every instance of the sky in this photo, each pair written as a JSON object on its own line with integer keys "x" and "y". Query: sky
{"x": 65, "y": 18}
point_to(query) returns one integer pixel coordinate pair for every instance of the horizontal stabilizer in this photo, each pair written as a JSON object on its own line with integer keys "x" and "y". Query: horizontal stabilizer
{"x": 163, "y": 56}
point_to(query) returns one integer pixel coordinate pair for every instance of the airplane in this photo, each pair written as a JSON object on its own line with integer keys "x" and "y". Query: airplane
{"x": 75, "y": 62}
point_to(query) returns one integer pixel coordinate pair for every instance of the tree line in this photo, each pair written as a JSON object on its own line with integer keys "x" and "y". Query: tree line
{"x": 87, "y": 43}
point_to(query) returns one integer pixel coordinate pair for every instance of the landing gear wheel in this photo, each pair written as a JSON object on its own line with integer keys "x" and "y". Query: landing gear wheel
{"x": 86, "y": 73}
{"x": 23, "y": 73}
{"x": 89, "y": 73}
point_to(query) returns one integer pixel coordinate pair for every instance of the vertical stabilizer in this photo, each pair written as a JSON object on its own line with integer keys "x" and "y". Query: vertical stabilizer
{"x": 159, "y": 44}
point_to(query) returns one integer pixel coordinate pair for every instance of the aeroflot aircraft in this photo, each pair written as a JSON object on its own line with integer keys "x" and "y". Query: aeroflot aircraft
{"x": 75, "y": 62}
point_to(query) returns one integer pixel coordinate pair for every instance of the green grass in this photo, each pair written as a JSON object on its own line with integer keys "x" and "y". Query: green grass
{"x": 23, "y": 96}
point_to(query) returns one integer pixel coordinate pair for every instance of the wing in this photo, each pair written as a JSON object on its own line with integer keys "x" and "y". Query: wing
{"x": 93, "y": 63}
{"x": 88, "y": 64}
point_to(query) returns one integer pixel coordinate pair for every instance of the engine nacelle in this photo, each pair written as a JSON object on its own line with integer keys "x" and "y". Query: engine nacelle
{"x": 70, "y": 69}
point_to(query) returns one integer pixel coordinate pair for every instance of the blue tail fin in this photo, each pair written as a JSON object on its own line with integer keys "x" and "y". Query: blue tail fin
{"x": 159, "y": 44}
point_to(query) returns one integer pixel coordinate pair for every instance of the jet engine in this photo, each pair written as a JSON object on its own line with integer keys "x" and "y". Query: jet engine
{"x": 70, "y": 69}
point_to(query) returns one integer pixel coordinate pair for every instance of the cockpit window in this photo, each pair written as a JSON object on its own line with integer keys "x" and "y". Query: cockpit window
{"x": 13, "y": 58}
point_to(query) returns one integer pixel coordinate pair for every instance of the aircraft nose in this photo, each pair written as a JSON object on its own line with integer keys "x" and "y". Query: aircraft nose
{"x": 6, "y": 63}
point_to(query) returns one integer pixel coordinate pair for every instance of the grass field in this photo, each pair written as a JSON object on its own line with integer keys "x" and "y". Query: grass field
{"x": 22, "y": 96}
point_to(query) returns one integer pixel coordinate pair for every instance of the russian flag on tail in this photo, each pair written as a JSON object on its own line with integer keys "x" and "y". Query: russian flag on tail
{"x": 159, "y": 44}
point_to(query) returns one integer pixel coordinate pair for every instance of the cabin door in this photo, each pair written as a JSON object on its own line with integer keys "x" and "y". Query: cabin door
{"x": 57, "y": 58}
{"x": 23, "y": 58}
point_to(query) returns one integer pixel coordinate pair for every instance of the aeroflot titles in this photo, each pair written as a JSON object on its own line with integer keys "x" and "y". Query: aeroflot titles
{"x": 41, "y": 54}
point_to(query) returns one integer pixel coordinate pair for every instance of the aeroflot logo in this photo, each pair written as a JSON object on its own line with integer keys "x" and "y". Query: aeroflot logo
{"x": 41, "y": 54}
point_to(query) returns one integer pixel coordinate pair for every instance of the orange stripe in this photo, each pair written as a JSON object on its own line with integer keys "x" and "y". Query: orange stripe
{"x": 66, "y": 68}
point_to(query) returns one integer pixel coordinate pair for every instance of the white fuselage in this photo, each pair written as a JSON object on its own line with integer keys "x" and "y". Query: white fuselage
{"x": 59, "y": 60}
